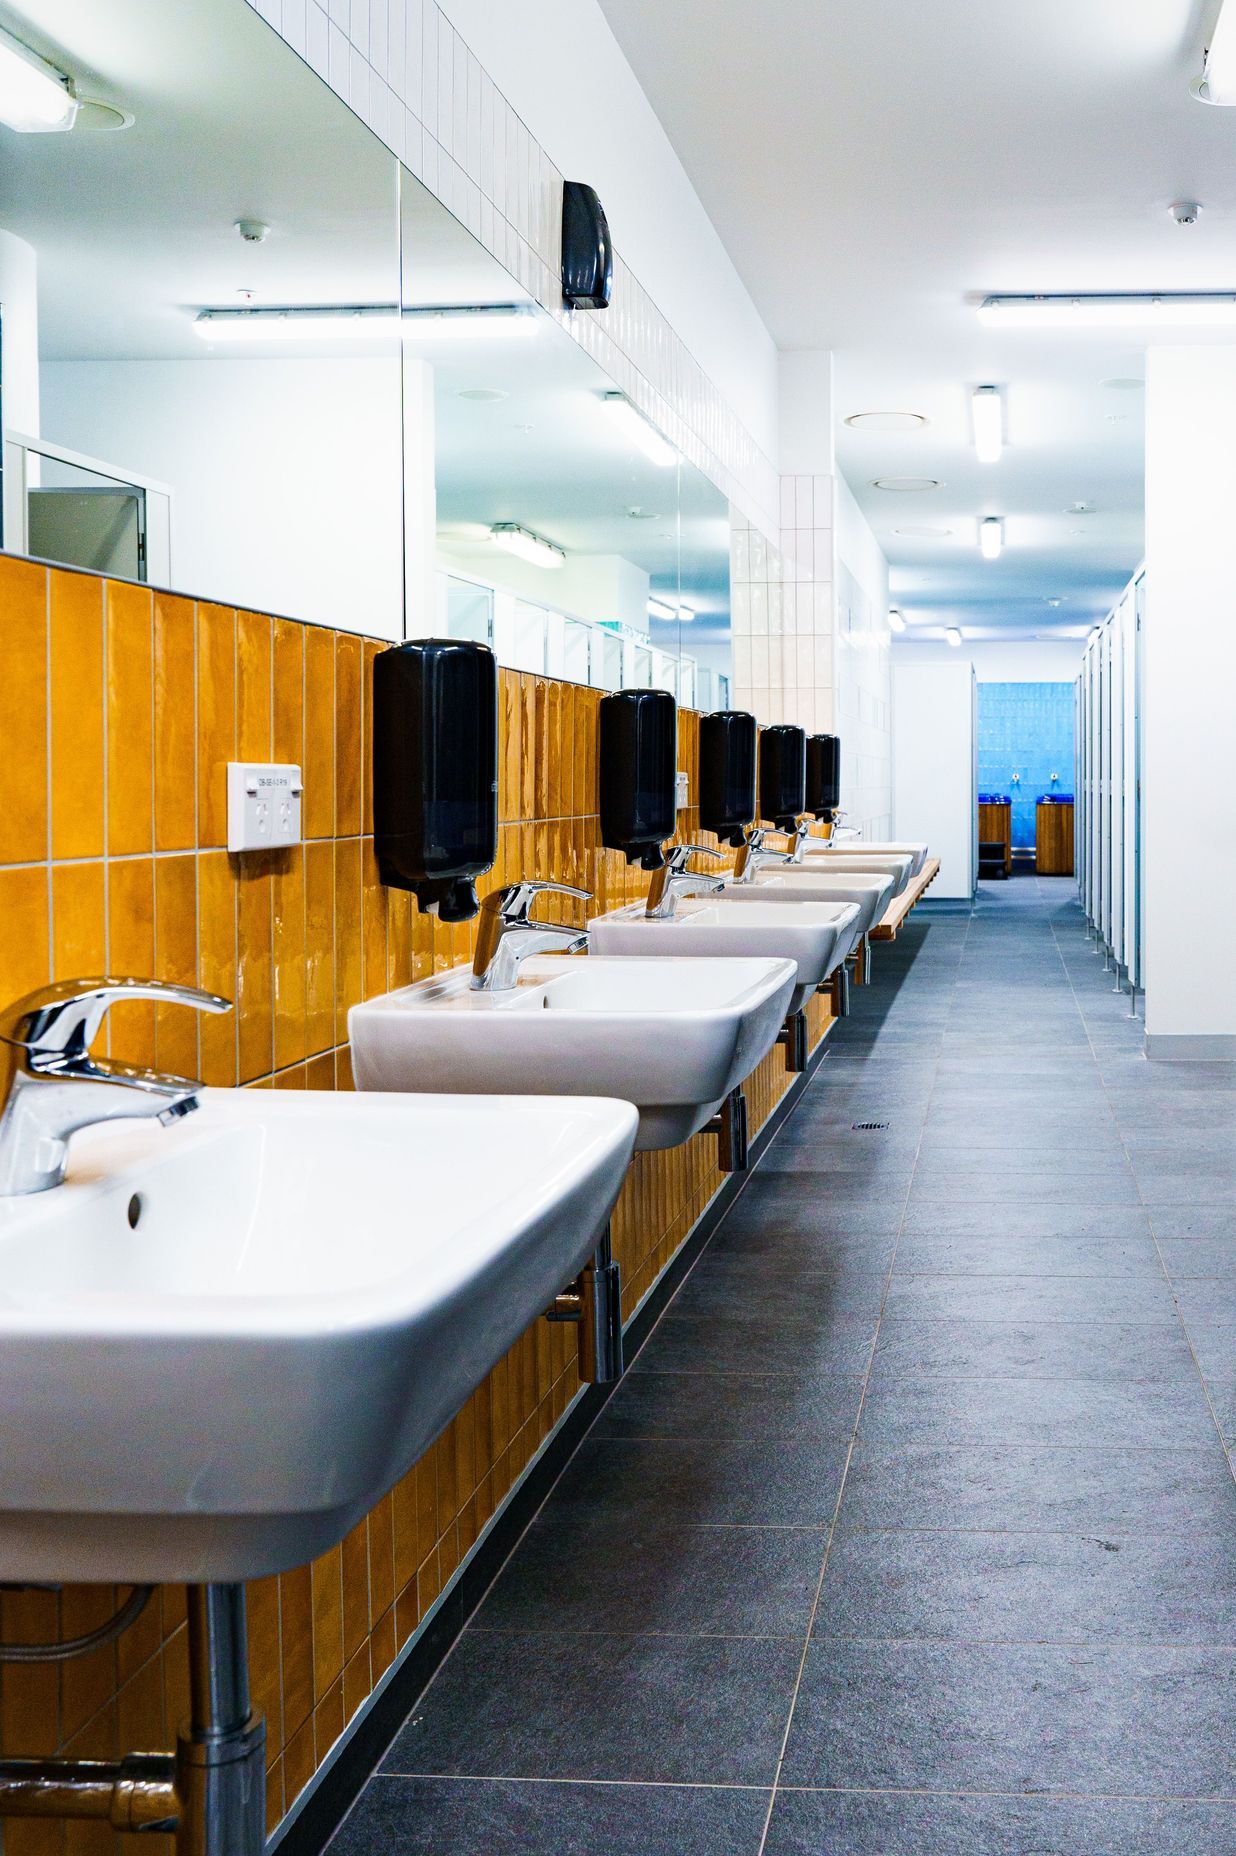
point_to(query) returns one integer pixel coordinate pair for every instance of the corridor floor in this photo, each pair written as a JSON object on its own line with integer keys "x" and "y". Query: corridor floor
{"x": 912, "y": 1530}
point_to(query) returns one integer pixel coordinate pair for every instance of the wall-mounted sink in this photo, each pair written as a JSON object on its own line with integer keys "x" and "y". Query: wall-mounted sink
{"x": 816, "y": 936}
{"x": 672, "y": 1038}
{"x": 896, "y": 864}
{"x": 843, "y": 847}
{"x": 870, "y": 893}
{"x": 224, "y": 1341}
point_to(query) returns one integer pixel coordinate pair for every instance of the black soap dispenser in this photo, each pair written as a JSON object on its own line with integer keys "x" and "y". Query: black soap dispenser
{"x": 823, "y": 776}
{"x": 435, "y": 770}
{"x": 783, "y": 775}
{"x": 637, "y": 758}
{"x": 727, "y": 773}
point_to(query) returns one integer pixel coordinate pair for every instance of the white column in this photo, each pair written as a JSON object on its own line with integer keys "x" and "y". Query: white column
{"x": 1189, "y": 684}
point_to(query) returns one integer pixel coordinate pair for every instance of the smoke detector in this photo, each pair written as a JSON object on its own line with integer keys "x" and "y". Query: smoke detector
{"x": 1185, "y": 212}
{"x": 253, "y": 231}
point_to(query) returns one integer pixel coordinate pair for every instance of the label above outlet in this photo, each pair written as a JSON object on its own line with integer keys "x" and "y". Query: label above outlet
{"x": 263, "y": 806}
{"x": 682, "y": 791}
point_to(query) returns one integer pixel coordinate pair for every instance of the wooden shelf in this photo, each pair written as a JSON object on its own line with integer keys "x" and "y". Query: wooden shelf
{"x": 912, "y": 894}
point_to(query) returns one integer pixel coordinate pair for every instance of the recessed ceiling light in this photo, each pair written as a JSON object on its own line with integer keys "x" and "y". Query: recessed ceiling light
{"x": 953, "y": 636}
{"x": 1121, "y": 385}
{"x": 906, "y": 483}
{"x": 1079, "y": 509}
{"x": 921, "y": 532}
{"x": 887, "y": 421}
{"x": 482, "y": 393}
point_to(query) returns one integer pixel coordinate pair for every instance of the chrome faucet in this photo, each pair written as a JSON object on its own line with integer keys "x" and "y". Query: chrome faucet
{"x": 841, "y": 829}
{"x": 673, "y": 879}
{"x": 754, "y": 854}
{"x": 508, "y": 935}
{"x": 50, "y": 1085}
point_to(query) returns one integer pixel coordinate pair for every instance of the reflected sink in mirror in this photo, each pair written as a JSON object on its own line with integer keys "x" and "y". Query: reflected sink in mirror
{"x": 870, "y": 892}
{"x": 224, "y": 1341}
{"x": 816, "y": 936}
{"x": 672, "y": 1038}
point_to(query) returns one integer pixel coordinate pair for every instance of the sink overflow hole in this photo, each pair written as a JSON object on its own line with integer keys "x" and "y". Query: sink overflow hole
{"x": 135, "y": 1210}
{"x": 868, "y": 1127}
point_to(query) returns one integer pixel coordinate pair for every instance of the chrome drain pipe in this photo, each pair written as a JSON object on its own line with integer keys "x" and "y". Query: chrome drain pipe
{"x": 594, "y": 1300}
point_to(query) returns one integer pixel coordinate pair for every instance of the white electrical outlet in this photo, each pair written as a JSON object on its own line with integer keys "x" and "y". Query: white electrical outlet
{"x": 263, "y": 806}
{"x": 682, "y": 791}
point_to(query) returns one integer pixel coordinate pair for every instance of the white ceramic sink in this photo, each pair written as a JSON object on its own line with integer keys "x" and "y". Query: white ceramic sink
{"x": 824, "y": 847}
{"x": 673, "y": 1039}
{"x": 870, "y": 891}
{"x": 816, "y": 936}
{"x": 313, "y": 1286}
{"x": 896, "y": 864}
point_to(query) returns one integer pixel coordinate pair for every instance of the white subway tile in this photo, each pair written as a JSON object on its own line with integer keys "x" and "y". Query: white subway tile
{"x": 317, "y": 39}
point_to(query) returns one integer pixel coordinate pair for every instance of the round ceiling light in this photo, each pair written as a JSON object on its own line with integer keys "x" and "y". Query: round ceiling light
{"x": 1124, "y": 386}
{"x": 481, "y": 393}
{"x": 95, "y": 115}
{"x": 887, "y": 421}
{"x": 906, "y": 483}
{"x": 920, "y": 532}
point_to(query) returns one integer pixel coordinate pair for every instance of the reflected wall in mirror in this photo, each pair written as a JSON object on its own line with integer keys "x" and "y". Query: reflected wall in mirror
{"x": 566, "y": 531}
{"x": 260, "y": 467}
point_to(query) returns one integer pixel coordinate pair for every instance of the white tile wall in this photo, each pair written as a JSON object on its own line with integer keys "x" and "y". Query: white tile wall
{"x": 864, "y": 708}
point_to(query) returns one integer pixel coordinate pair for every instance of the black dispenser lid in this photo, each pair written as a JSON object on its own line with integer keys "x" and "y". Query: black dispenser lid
{"x": 727, "y": 773}
{"x": 823, "y": 794}
{"x": 435, "y": 770}
{"x": 783, "y": 775}
{"x": 637, "y": 759}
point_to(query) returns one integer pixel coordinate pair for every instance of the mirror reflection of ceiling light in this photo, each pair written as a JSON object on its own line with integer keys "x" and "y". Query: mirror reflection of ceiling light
{"x": 35, "y": 98}
{"x": 686, "y": 615}
{"x": 1217, "y": 84}
{"x": 361, "y": 322}
{"x": 637, "y": 431}
{"x": 526, "y": 546}
{"x": 953, "y": 636}
{"x": 657, "y": 609}
{"x": 991, "y": 538}
{"x": 1163, "y": 309}
{"x": 896, "y": 620}
{"x": 987, "y": 413}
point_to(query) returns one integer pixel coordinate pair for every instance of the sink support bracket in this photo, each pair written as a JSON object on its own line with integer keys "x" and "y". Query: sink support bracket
{"x": 793, "y": 1035}
{"x": 594, "y": 1300}
{"x": 211, "y": 1792}
{"x": 729, "y": 1125}
{"x": 840, "y": 984}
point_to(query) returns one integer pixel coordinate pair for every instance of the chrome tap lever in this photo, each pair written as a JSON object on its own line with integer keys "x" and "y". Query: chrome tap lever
{"x": 674, "y": 879}
{"x": 508, "y": 934}
{"x": 50, "y": 1085}
{"x": 754, "y": 853}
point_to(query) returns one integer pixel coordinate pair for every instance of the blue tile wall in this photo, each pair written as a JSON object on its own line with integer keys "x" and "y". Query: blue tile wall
{"x": 1025, "y": 734}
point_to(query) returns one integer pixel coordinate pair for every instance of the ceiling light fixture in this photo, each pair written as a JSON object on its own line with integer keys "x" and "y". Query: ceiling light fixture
{"x": 1217, "y": 83}
{"x": 896, "y": 620}
{"x": 991, "y": 537}
{"x": 657, "y": 609}
{"x": 526, "y": 546}
{"x": 628, "y": 420}
{"x": 953, "y": 636}
{"x": 887, "y": 421}
{"x": 1163, "y": 309}
{"x": 906, "y": 484}
{"x": 35, "y": 98}
{"x": 987, "y": 414}
{"x": 686, "y": 615}
{"x": 361, "y": 322}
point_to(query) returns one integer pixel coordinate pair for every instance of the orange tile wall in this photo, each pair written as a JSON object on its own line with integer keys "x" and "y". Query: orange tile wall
{"x": 119, "y": 709}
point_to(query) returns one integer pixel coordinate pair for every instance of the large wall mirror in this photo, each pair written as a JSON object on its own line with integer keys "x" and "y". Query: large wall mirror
{"x": 247, "y": 356}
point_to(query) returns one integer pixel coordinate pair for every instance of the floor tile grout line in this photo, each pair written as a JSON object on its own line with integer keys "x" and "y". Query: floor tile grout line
{"x": 875, "y": 1341}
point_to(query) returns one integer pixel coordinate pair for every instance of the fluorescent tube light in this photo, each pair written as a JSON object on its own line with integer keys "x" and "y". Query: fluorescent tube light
{"x": 513, "y": 539}
{"x": 1217, "y": 83}
{"x": 35, "y": 98}
{"x": 896, "y": 621}
{"x": 991, "y": 537}
{"x": 987, "y": 413}
{"x": 361, "y": 322}
{"x": 953, "y": 636}
{"x": 637, "y": 431}
{"x": 657, "y": 609}
{"x": 1162, "y": 310}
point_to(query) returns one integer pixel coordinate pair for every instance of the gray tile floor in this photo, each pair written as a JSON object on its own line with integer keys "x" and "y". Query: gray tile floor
{"x": 912, "y": 1530}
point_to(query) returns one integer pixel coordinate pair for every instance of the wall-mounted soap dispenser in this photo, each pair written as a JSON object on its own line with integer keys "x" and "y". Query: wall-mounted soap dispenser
{"x": 727, "y": 773}
{"x": 435, "y": 770}
{"x": 637, "y": 756}
{"x": 823, "y": 775}
{"x": 783, "y": 775}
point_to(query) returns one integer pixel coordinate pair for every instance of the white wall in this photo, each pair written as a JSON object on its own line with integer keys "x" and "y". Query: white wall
{"x": 562, "y": 70}
{"x": 863, "y": 675}
{"x": 19, "y": 364}
{"x": 933, "y": 767}
{"x": 1019, "y": 661}
{"x": 286, "y": 475}
{"x": 1189, "y": 637}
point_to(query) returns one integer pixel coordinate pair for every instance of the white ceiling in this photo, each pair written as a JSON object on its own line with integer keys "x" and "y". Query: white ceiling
{"x": 877, "y": 166}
